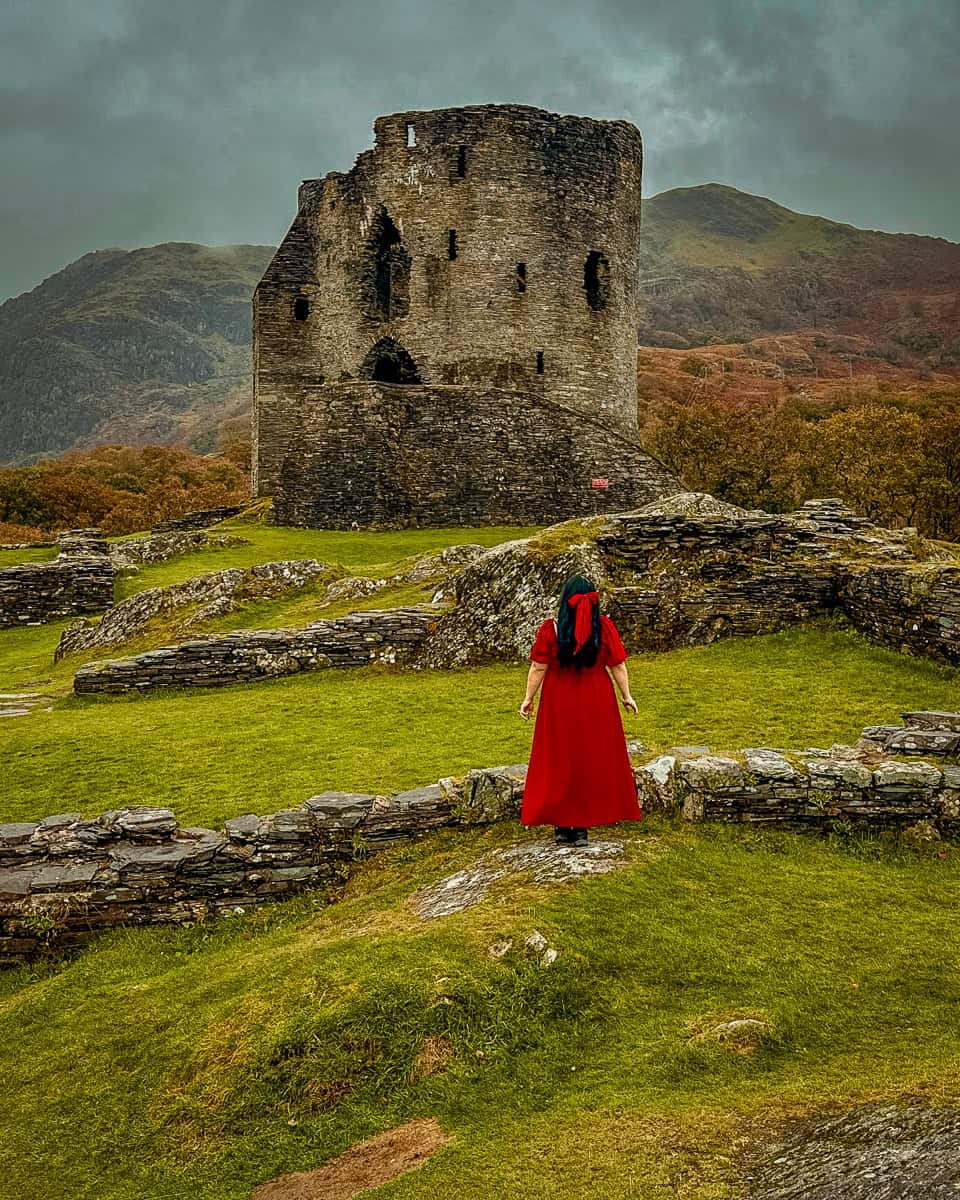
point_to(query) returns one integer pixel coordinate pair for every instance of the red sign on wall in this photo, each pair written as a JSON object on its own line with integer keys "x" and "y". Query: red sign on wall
{"x": 599, "y": 484}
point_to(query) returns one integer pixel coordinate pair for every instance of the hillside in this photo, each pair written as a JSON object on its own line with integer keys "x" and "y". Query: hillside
{"x": 124, "y": 346}
{"x": 218, "y": 1057}
{"x": 720, "y": 265}
{"x": 152, "y": 345}
{"x": 720, "y": 990}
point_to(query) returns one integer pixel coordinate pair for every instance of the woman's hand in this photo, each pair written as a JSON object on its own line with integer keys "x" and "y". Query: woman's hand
{"x": 630, "y": 703}
{"x": 526, "y": 710}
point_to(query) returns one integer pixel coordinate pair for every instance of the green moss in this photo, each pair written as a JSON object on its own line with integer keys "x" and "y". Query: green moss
{"x": 558, "y": 539}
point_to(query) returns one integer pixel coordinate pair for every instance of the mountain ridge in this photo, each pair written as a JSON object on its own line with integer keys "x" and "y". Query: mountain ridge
{"x": 152, "y": 344}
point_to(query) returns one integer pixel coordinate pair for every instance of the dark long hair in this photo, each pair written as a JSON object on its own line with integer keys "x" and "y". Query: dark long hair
{"x": 586, "y": 656}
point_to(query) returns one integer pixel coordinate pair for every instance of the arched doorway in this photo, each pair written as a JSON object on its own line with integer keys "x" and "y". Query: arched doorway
{"x": 388, "y": 362}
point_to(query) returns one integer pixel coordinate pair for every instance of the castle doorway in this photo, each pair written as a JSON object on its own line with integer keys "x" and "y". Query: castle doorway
{"x": 388, "y": 362}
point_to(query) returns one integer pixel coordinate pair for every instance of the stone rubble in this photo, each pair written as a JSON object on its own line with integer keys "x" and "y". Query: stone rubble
{"x": 936, "y": 733}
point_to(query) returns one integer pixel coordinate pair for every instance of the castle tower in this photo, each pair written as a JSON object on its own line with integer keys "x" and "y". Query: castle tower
{"x": 469, "y": 288}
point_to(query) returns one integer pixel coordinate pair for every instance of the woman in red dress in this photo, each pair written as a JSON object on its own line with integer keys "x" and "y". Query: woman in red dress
{"x": 579, "y": 773}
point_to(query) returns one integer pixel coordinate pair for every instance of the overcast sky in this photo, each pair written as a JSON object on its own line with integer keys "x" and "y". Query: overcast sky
{"x": 130, "y": 122}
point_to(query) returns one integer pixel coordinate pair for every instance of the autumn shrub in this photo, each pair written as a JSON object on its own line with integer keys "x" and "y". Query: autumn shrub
{"x": 121, "y": 489}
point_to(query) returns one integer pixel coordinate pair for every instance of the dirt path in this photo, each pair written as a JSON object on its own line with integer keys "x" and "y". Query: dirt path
{"x": 365, "y": 1165}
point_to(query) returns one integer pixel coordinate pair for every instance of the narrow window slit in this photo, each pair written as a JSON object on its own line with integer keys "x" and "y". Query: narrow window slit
{"x": 462, "y": 162}
{"x": 521, "y": 277}
{"x": 452, "y": 244}
{"x": 539, "y": 362}
{"x": 301, "y": 308}
{"x": 596, "y": 280}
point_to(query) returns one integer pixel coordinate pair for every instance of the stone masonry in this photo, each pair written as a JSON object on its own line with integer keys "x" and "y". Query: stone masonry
{"x": 63, "y": 879}
{"x": 78, "y": 580}
{"x": 357, "y": 640}
{"x": 464, "y": 302}
{"x": 433, "y": 455}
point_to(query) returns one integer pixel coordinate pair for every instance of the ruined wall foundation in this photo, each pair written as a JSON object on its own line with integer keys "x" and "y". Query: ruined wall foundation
{"x": 79, "y": 580}
{"x": 65, "y": 879}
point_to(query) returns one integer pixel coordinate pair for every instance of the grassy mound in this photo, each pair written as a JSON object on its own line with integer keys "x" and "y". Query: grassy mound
{"x": 221, "y": 1056}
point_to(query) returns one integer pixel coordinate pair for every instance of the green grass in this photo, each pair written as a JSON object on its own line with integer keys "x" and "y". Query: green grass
{"x": 26, "y": 654}
{"x": 13, "y": 558}
{"x": 215, "y": 753}
{"x": 216, "y": 1057}
{"x": 361, "y": 554}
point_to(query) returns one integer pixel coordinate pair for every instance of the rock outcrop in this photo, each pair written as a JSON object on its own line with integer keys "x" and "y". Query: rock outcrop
{"x": 216, "y": 593}
{"x": 688, "y": 569}
{"x": 133, "y": 553}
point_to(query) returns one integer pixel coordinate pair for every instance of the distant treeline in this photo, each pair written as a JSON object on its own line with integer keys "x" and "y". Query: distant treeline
{"x": 118, "y": 488}
{"x": 896, "y": 462}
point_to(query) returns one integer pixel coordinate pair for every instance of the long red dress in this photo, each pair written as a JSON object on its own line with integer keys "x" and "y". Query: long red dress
{"x": 579, "y": 773}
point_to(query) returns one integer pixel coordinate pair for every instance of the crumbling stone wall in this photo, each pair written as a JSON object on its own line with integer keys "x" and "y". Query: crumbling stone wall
{"x": 489, "y": 254}
{"x": 78, "y": 580}
{"x": 357, "y": 640}
{"x": 64, "y": 879}
{"x": 380, "y": 454}
{"x": 914, "y": 609}
{"x": 670, "y": 578}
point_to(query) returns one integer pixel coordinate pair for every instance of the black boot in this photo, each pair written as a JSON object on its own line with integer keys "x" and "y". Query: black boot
{"x": 580, "y": 837}
{"x": 564, "y": 835}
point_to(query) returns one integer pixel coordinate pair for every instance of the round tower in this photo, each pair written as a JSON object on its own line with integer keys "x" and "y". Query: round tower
{"x": 494, "y": 245}
{"x": 447, "y": 333}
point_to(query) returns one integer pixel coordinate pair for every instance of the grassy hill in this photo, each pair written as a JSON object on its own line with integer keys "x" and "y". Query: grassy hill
{"x": 217, "y": 1057}
{"x": 195, "y": 1063}
{"x": 124, "y": 346}
{"x": 261, "y": 746}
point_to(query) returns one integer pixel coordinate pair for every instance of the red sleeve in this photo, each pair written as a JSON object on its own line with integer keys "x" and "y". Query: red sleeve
{"x": 614, "y": 651}
{"x": 544, "y": 647}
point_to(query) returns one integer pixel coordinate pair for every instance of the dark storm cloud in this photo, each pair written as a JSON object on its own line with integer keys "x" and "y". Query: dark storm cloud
{"x": 127, "y": 123}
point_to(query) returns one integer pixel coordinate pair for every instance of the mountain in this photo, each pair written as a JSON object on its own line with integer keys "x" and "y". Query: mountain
{"x": 719, "y": 265}
{"x": 153, "y": 345}
{"x": 135, "y": 346}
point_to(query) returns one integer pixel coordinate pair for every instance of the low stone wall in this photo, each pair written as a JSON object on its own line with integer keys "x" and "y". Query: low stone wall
{"x": 78, "y": 580}
{"x": 199, "y": 519}
{"x": 767, "y": 600}
{"x": 357, "y": 640}
{"x": 64, "y": 879}
{"x": 913, "y": 609}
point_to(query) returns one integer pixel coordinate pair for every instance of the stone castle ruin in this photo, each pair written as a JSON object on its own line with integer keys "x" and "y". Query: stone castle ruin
{"x": 447, "y": 333}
